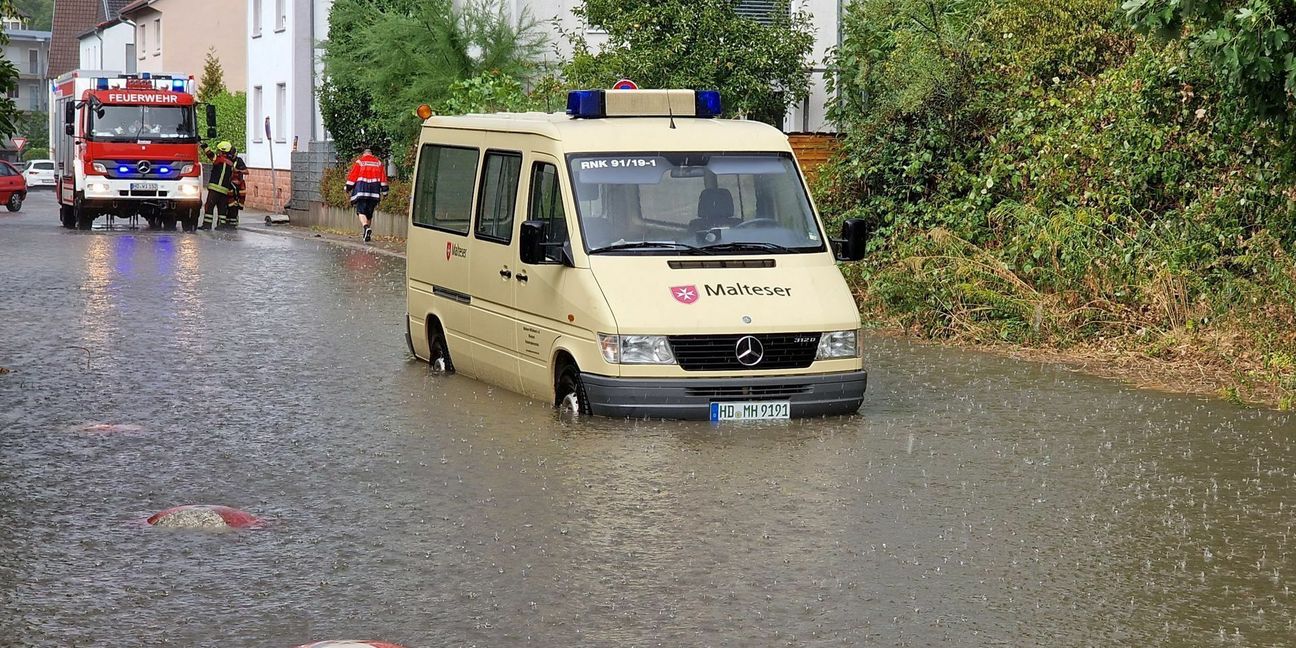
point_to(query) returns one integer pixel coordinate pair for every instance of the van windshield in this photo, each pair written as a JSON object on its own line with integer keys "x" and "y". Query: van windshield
{"x": 149, "y": 123}
{"x": 673, "y": 203}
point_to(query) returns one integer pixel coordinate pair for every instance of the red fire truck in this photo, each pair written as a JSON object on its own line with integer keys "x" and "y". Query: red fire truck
{"x": 126, "y": 145}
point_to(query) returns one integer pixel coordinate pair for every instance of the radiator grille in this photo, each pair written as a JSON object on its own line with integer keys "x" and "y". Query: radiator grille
{"x": 720, "y": 352}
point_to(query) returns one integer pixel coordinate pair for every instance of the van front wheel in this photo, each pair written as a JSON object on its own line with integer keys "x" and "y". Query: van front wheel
{"x": 438, "y": 351}
{"x": 571, "y": 399}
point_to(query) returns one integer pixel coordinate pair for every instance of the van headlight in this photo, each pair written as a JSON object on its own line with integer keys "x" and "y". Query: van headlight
{"x": 636, "y": 349}
{"x": 838, "y": 344}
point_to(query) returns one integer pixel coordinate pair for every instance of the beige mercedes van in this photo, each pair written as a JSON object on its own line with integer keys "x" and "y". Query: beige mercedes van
{"x": 634, "y": 257}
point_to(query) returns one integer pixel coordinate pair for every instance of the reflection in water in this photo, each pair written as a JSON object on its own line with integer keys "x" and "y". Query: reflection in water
{"x": 98, "y": 324}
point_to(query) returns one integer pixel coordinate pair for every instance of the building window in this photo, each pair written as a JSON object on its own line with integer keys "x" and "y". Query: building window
{"x": 13, "y": 94}
{"x": 258, "y": 115}
{"x": 157, "y": 36}
{"x": 256, "y": 18}
{"x": 281, "y": 15}
{"x": 130, "y": 58}
{"x": 143, "y": 40}
{"x": 281, "y": 109}
{"x": 761, "y": 11}
{"x": 33, "y": 61}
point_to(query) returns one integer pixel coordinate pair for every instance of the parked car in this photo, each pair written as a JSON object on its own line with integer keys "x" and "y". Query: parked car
{"x": 39, "y": 173}
{"x": 13, "y": 187}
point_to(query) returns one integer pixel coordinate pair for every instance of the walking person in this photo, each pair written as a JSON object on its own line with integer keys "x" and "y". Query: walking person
{"x": 219, "y": 184}
{"x": 366, "y": 184}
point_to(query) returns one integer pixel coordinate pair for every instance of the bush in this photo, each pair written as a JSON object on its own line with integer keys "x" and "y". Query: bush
{"x": 231, "y": 119}
{"x": 1049, "y": 181}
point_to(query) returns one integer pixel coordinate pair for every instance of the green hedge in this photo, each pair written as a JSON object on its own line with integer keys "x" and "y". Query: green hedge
{"x": 333, "y": 190}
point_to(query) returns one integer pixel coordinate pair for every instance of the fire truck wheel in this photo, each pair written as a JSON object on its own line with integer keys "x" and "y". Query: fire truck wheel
{"x": 169, "y": 222}
{"x": 154, "y": 222}
{"x": 67, "y": 217}
{"x": 15, "y": 202}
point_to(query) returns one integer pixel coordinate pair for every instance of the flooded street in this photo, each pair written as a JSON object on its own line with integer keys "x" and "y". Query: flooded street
{"x": 974, "y": 501}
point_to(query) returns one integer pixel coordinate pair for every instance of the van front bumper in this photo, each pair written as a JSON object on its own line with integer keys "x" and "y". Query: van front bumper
{"x": 690, "y": 398}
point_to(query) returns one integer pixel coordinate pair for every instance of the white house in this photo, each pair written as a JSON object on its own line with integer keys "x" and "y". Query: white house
{"x": 282, "y": 76}
{"x": 109, "y": 46}
{"x": 809, "y": 116}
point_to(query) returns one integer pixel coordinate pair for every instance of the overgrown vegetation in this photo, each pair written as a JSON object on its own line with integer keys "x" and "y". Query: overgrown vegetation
{"x": 231, "y": 118}
{"x": 1041, "y": 173}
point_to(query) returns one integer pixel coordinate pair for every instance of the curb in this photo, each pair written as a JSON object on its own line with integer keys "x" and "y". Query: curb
{"x": 291, "y": 231}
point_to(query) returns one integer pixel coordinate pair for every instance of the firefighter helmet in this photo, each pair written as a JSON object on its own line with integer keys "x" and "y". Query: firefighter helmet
{"x": 224, "y": 146}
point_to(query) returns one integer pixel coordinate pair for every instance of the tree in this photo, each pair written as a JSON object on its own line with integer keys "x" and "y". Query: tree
{"x": 758, "y": 69}
{"x": 39, "y": 12}
{"x": 212, "y": 82}
{"x": 389, "y": 56}
{"x": 1250, "y": 43}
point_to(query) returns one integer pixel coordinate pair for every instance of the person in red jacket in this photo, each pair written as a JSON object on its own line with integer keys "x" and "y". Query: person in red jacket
{"x": 366, "y": 184}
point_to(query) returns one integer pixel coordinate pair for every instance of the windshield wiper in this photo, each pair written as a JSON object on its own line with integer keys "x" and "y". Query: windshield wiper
{"x": 643, "y": 245}
{"x": 738, "y": 246}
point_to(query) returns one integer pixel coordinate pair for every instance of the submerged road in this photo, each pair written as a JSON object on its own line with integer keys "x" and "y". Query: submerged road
{"x": 974, "y": 501}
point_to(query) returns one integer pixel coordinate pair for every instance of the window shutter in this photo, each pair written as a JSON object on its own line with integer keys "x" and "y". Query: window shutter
{"x": 761, "y": 11}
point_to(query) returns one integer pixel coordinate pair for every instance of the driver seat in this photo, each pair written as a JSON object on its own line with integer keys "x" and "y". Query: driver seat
{"x": 715, "y": 209}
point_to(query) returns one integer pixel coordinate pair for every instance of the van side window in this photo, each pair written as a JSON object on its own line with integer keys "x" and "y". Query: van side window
{"x": 443, "y": 191}
{"x": 546, "y": 202}
{"x": 499, "y": 189}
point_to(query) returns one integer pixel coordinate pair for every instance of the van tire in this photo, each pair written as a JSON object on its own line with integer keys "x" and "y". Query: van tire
{"x": 438, "y": 348}
{"x": 569, "y": 392}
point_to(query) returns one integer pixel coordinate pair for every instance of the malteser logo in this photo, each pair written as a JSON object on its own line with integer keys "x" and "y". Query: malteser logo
{"x": 738, "y": 289}
{"x": 453, "y": 250}
{"x": 684, "y": 294}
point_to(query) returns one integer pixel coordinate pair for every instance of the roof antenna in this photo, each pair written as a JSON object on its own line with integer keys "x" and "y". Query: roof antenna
{"x": 670, "y": 110}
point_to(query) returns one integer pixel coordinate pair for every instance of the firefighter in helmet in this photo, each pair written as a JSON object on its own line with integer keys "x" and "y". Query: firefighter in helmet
{"x": 239, "y": 189}
{"x": 219, "y": 184}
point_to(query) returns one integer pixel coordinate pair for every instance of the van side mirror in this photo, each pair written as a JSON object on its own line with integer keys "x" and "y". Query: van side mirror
{"x": 534, "y": 250}
{"x": 853, "y": 241}
{"x": 69, "y": 114}
{"x": 211, "y": 122}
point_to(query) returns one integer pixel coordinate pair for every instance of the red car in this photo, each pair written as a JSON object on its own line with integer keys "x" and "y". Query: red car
{"x": 13, "y": 187}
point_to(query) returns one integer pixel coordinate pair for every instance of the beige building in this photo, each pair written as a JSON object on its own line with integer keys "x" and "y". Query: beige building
{"x": 172, "y": 36}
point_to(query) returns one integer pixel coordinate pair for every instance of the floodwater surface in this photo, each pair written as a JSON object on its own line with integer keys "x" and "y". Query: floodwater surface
{"x": 973, "y": 501}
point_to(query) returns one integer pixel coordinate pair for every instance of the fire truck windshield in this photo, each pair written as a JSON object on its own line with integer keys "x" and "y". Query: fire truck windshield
{"x": 109, "y": 123}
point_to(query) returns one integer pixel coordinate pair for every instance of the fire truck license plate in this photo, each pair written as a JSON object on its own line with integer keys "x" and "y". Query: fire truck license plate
{"x": 750, "y": 411}
{"x": 144, "y": 186}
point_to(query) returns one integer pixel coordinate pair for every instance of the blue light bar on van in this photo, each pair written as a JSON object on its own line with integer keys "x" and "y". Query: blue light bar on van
{"x": 586, "y": 104}
{"x": 596, "y": 104}
{"x": 708, "y": 103}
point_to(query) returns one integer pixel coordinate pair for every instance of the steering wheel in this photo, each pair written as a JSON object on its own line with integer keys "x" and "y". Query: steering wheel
{"x": 758, "y": 223}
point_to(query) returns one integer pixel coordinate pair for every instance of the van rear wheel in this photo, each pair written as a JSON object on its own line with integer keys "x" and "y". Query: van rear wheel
{"x": 570, "y": 397}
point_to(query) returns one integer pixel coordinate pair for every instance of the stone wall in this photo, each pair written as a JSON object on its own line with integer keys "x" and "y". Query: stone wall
{"x": 260, "y": 191}
{"x": 321, "y": 215}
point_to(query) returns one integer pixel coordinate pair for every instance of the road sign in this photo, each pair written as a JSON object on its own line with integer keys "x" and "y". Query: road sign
{"x": 19, "y": 142}
{"x": 625, "y": 84}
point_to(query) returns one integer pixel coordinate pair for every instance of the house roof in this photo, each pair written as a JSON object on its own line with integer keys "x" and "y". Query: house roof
{"x": 72, "y": 17}
{"x": 130, "y": 6}
{"x": 27, "y": 34}
{"x": 100, "y": 27}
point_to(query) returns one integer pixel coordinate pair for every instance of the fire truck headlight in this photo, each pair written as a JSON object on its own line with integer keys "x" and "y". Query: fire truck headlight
{"x": 186, "y": 169}
{"x": 188, "y": 190}
{"x": 97, "y": 187}
{"x": 99, "y": 167}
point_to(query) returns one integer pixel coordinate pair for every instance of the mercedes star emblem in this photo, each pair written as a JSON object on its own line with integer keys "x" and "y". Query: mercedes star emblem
{"x": 749, "y": 351}
{"x": 144, "y": 166}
